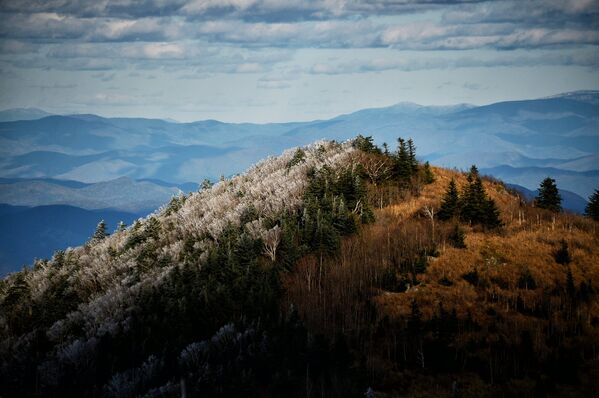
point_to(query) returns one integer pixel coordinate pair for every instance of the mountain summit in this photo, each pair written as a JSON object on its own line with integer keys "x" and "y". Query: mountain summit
{"x": 333, "y": 269}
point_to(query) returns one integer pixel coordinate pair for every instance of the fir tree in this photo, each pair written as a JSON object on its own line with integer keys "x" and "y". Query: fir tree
{"x": 206, "y": 184}
{"x": 450, "y": 203}
{"x": 385, "y": 149}
{"x": 100, "y": 232}
{"x": 562, "y": 255}
{"x": 403, "y": 168}
{"x": 427, "y": 174}
{"x": 298, "y": 157}
{"x": 412, "y": 162}
{"x": 456, "y": 237}
{"x": 476, "y": 207}
{"x": 549, "y": 197}
{"x": 121, "y": 227}
{"x": 592, "y": 208}
{"x": 473, "y": 200}
{"x": 491, "y": 219}
{"x": 473, "y": 173}
{"x": 365, "y": 144}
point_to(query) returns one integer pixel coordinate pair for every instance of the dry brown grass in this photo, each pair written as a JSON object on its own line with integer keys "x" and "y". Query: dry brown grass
{"x": 528, "y": 241}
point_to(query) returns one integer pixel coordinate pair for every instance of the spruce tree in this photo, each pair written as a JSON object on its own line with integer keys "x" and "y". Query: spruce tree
{"x": 403, "y": 168}
{"x": 491, "y": 219}
{"x": 473, "y": 173}
{"x": 474, "y": 201}
{"x": 562, "y": 255}
{"x": 427, "y": 174}
{"x": 206, "y": 184}
{"x": 456, "y": 237}
{"x": 592, "y": 208}
{"x": 476, "y": 207}
{"x": 450, "y": 203}
{"x": 549, "y": 197}
{"x": 412, "y": 162}
{"x": 100, "y": 232}
{"x": 121, "y": 227}
{"x": 365, "y": 144}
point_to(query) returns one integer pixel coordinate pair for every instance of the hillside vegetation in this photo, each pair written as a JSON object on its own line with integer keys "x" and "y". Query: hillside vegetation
{"x": 332, "y": 270}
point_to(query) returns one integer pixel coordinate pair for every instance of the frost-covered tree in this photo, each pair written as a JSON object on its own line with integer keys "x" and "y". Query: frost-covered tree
{"x": 100, "y": 233}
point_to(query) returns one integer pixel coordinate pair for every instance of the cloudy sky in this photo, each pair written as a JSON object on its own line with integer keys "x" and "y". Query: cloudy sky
{"x": 276, "y": 60}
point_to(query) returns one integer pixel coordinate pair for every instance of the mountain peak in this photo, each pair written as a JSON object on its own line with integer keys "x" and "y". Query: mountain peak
{"x": 15, "y": 114}
{"x": 590, "y": 96}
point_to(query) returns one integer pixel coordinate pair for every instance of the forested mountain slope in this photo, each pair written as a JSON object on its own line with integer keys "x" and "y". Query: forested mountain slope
{"x": 328, "y": 271}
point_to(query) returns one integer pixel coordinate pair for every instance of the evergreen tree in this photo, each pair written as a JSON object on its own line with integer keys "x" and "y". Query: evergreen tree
{"x": 562, "y": 255}
{"x": 100, "y": 232}
{"x": 491, "y": 219}
{"x": 549, "y": 197}
{"x": 474, "y": 200}
{"x": 473, "y": 173}
{"x": 592, "y": 208}
{"x": 450, "y": 204}
{"x": 456, "y": 237}
{"x": 403, "y": 169}
{"x": 206, "y": 184}
{"x": 385, "y": 149}
{"x": 365, "y": 144}
{"x": 427, "y": 174}
{"x": 413, "y": 163}
{"x": 121, "y": 227}
{"x": 476, "y": 207}
{"x": 298, "y": 157}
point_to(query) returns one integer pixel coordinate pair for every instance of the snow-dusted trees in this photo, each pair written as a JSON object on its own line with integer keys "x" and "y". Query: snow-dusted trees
{"x": 100, "y": 232}
{"x": 200, "y": 261}
{"x": 271, "y": 239}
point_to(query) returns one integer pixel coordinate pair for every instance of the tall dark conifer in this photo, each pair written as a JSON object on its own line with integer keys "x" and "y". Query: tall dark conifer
{"x": 549, "y": 197}
{"x": 412, "y": 162}
{"x": 427, "y": 174}
{"x": 592, "y": 208}
{"x": 474, "y": 200}
{"x": 450, "y": 204}
{"x": 403, "y": 169}
{"x": 476, "y": 207}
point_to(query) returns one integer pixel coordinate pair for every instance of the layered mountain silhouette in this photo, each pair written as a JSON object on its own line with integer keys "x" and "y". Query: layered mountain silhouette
{"x": 557, "y": 136}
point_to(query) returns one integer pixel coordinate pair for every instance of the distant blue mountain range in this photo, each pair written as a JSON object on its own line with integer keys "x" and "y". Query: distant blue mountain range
{"x": 570, "y": 201}
{"x": 556, "y": 136}
{"x": 86, "y": 167}
{"x": 123, "y": 194}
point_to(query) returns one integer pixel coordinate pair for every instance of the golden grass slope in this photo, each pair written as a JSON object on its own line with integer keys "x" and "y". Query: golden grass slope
{"x": 527, "y": 242}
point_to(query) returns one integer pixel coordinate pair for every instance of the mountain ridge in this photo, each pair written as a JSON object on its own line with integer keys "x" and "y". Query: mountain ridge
{"x": 284, "y": 278}
{"x": 543, "y": 132}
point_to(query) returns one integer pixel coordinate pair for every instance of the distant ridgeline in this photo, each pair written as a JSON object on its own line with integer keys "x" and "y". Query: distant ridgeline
{"x": 337, "y": 269}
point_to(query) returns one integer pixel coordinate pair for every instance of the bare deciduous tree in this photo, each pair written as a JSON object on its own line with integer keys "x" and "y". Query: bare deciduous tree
{"x": 271, "y": 239}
